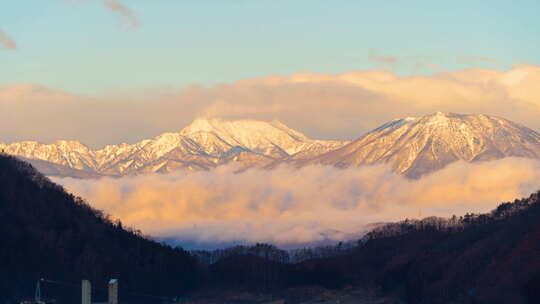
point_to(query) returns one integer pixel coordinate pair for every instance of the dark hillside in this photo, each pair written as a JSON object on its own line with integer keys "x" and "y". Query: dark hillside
{"x": 488, "y": 258}
{"x": 491, "y": 258}
{"x": 46, "y": 232}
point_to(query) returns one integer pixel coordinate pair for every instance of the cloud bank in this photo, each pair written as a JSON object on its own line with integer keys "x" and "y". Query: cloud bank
{"x": 296, "y": 206}
{"x": 6, "y": 41}
{"x": 325, "y": 106}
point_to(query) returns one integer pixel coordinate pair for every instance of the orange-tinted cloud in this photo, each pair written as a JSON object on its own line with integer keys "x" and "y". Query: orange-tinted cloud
{"x": 341, "y": 106}
{"x": 6, "y": 41}
{"x": 295, "y": 206}
{"x": 129, "y": 18}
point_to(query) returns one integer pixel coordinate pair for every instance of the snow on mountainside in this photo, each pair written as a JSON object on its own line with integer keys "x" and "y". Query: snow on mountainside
{"x": 204, "y": 144}
{"x": 416, "y": 146}
{"x": 412, "y": 146}
{"x": 272, "y": 139}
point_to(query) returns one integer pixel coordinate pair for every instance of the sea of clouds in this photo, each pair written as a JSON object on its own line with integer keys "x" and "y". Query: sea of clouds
{"x": 289, "y": 206}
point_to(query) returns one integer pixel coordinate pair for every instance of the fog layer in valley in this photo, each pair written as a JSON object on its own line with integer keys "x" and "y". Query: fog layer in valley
{"x": 289, "y": 206}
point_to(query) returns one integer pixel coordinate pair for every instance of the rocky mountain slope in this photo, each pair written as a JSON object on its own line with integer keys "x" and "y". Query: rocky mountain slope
{"x": 416, "y": 146}
{"x": 204, "y": 144}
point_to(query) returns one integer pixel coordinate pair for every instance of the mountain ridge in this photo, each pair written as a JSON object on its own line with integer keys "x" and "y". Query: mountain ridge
{"x": 202, "y": 145}
{"x": 412, "y": 146}
{"x": 415, "y": 146}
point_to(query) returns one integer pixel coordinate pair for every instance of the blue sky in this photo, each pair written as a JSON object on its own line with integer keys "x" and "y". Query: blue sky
{"x": 83, "y": 47}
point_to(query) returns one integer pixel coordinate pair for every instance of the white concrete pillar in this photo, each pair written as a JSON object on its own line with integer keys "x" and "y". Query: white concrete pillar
{"x": 86, "y": 292}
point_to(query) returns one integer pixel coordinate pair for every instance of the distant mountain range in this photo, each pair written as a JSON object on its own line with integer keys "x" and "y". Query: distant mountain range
{"x": 202, "y": 145}
{"x": 411, "y": 146}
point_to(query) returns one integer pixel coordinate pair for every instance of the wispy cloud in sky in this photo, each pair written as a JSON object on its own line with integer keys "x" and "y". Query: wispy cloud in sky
{"x": 385, "y": 59}
{"x": 475, "y": 59}
{"x": 6, "y": 41}
{"x": 129, "y": 18}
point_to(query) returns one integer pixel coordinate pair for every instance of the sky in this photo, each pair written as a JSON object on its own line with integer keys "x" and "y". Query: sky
{"x": 96, "y": 48}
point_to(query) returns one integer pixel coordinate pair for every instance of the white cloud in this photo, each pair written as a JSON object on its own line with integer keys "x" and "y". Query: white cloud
{"x": 342, "y": 106}
{"x": 291, "y": 206}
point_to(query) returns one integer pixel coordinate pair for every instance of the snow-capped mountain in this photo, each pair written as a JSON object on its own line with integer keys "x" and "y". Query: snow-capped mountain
{"x": 204, "y": 144}
{"x": 415, "y": 146}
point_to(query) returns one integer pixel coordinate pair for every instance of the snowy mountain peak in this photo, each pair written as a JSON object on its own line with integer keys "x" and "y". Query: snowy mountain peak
{"x": 270, "y": 138}
{"x": 421, "y": 145}
{"x": 201, "y": 125}
{"x": 393, "y": 124}
{"x": 236, "y": 128}
{"x": 70, "y": 144}
{"x": 202, "y": 145}
{"x": 293, "y": 133}
{"x": 413, "y": 146}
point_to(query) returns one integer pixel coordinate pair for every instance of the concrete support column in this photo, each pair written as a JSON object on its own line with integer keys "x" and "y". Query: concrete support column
{"x": 86, "y": 292}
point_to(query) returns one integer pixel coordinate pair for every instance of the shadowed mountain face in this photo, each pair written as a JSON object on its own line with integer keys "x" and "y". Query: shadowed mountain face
{"x": 416, "y": 146}
{"x": 411, "y": 146}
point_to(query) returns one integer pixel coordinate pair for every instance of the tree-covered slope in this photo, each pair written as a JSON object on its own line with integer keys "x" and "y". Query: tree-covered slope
{"x": 47, "y": 233}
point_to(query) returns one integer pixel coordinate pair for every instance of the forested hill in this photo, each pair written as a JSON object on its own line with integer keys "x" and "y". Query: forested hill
{"x": 485, "y": 258}
{"x": 47, "y": 233}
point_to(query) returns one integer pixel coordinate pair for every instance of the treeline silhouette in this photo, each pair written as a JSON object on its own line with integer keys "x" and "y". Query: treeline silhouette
{"x": 273, "y": 253}
{"x": 476, "y": 258}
